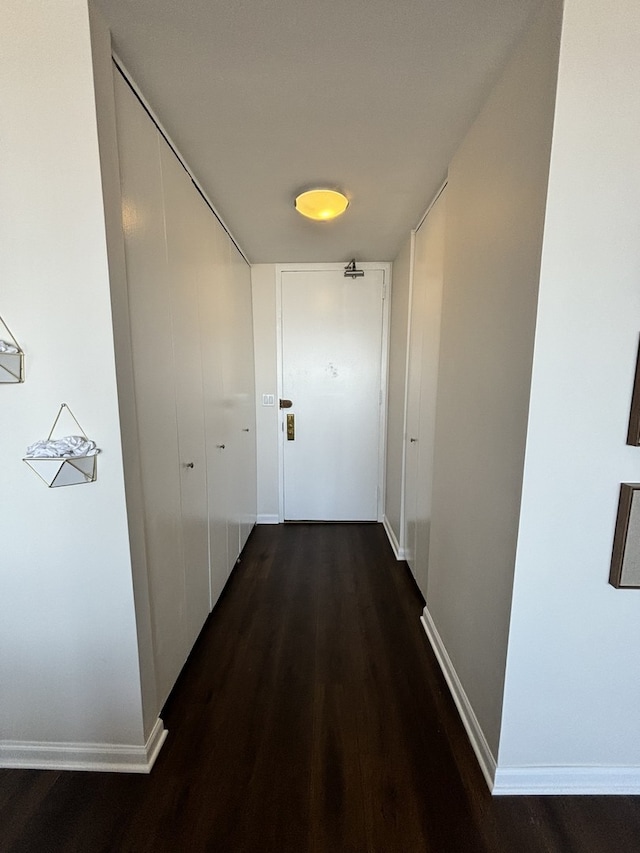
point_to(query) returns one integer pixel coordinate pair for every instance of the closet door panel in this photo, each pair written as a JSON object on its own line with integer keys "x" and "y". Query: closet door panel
{"x": 245, "y": 393}
{"x": 412, "y": 435}
{"x": 214, "y": 406}
{"x": 430, "y": 264}
{"x": 227, "y": 333}
{"x": 185, "y": 213}
{"x": 239, "y": 384}
{"x": 424, "y": 349}
{"x": 153, "y": 367}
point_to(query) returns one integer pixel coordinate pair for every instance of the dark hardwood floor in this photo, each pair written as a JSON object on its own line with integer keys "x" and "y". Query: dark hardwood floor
{"x": 311, "y": 716}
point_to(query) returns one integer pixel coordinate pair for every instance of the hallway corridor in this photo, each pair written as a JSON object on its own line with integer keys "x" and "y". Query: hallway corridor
{"x": 311, "y": 716}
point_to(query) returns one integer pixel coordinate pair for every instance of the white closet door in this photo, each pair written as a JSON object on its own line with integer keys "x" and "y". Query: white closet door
{"x": 424, "y": 352}
{"x": 151, "y": 331}
{"x": 430, "y": 264}
{"x": 416, "y": 331}
{"x": 191, "y": 327}
{"x": 214, "y": 406}
{"x": 226, "y": 331}
{"x": 229, "y": 403}
{"x": 245, "y": 395}
{"x": 236, "y": 339}
{"x": 187, "y": 263}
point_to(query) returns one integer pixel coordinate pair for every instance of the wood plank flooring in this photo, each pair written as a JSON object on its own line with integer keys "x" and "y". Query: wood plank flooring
{"x": 311, "y": 717}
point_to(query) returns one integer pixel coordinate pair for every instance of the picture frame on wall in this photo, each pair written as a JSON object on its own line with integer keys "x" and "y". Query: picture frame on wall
{"x": 625, "y": 559}
{"x": 633, "y": 435}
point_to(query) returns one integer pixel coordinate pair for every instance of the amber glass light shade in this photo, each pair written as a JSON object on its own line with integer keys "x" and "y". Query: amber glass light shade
{"x": 321, "y": 205}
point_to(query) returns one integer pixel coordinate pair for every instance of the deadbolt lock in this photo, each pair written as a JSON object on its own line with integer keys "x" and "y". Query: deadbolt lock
{"x": 291, "y": 427}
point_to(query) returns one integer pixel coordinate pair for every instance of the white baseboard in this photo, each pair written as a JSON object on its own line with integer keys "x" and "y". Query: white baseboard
{"x": 103, "y": 757}
{"x": 265, "y": 518}
{"x": 397, "y": 550}
{"x": 567, "y": 780}
{"x": 470, "y": 721}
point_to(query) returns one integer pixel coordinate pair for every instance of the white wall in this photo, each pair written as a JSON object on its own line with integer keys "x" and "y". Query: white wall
{"x": 400, "y": 295}
{"x": 69, "y": 663}
{"x": 495, "y": 214}
{"x": 263, "y": 284}
{"x": 572, "y": 689}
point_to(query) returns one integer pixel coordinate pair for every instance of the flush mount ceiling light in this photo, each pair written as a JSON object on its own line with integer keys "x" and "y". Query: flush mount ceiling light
{"x": 321, "y": 205}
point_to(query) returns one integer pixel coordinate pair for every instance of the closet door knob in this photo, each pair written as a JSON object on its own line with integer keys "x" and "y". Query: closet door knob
{"x": 220, "y": 446}
{"x": 245, "y": 429}
{"x": 188, "y": 464}
{"x": 412, "y": 440}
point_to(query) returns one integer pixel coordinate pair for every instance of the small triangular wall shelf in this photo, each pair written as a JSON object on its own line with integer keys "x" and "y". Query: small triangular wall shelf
{"x": 58, "y": 471}
{"x": 64, "y": 472}
{"x": 11, "y": 363}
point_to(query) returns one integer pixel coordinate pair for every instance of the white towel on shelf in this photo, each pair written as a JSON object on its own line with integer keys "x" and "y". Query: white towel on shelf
{"x": 70, "y": 445}
{"x": 9, "y": 348}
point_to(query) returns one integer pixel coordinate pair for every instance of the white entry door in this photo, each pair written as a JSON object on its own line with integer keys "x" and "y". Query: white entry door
{"x": 332, "y": 371}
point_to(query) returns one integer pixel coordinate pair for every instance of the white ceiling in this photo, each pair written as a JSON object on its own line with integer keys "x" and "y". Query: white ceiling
{"x": 267, "y": 97}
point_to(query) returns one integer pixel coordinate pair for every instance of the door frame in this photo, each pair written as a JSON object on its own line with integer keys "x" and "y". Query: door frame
{"x": 386, "y": 269}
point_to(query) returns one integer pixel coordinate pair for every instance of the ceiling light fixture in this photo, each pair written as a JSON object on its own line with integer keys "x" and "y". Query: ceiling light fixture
{"x": 321, "y": 205}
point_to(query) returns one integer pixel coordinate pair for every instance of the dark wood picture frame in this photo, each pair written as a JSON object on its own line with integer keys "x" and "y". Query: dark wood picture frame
{"x": 633, "y": 435}
{"x": 625, "y": 559}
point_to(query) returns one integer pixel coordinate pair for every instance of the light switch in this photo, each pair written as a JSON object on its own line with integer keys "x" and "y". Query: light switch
{"x": 268, "y": 399}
